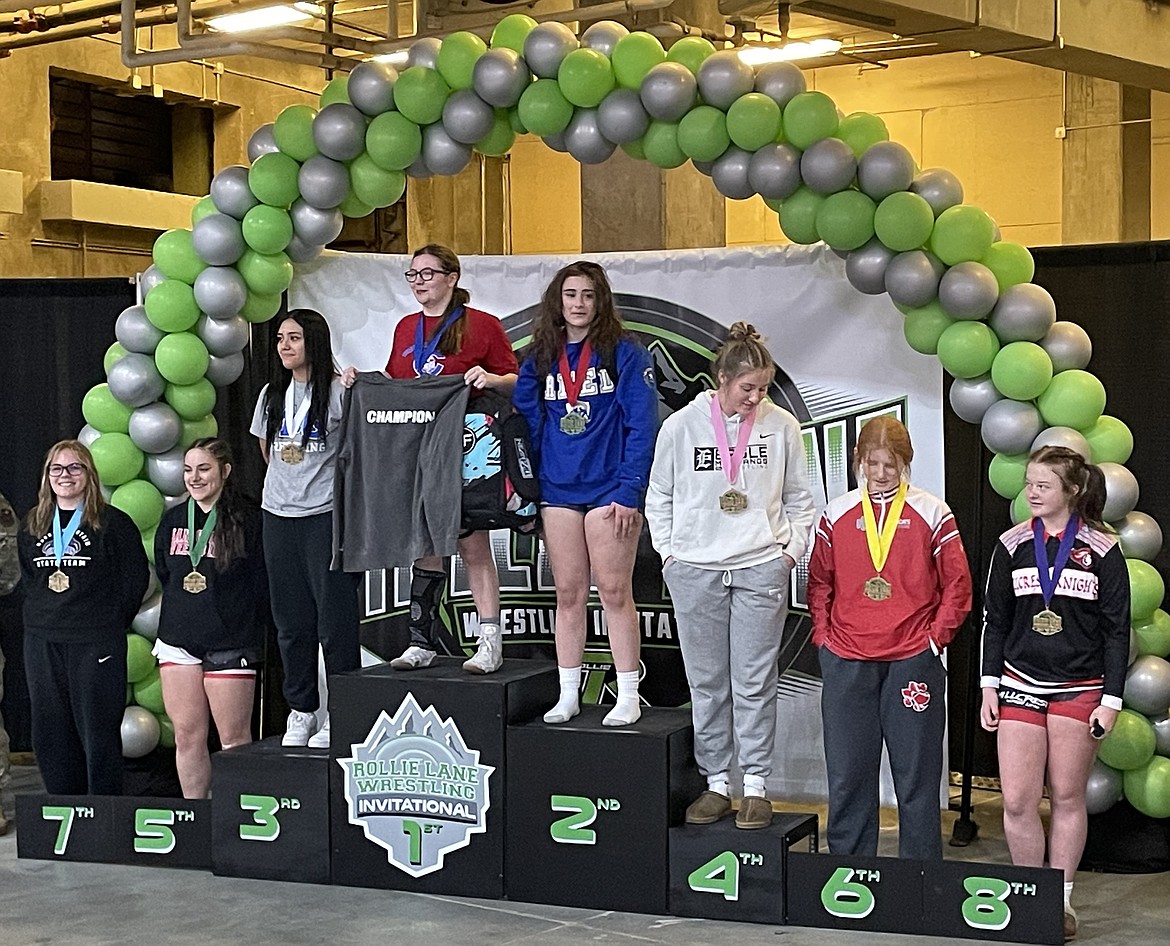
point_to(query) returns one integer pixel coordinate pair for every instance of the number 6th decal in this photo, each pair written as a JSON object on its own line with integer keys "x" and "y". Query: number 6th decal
{"x": 844, "y": 897}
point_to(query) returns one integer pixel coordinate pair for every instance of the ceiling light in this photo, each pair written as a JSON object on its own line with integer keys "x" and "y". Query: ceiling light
{"x": 813, "y": 49}
{"x": 279, "y": 15}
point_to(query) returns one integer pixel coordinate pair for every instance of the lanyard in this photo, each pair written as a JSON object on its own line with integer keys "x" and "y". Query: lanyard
{"x": 732, "y": 460}
{"x": 879, "y": 545}
{"x": 423, "y": 350}
{"x": 196, "y": 548}
{"x": 1049, "y": 580}
{"x": 575, "y": 379}
{"x": 301, "y": 414}
{"x": 61, "y": 539}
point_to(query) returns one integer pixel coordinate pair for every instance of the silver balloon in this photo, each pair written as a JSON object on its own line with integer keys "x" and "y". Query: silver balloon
{"x": 968, "y": 291}
{"x": 146, "y": 620}
{"x": 500, "y": 77}
{"x": 1010, "y": 426}
{"x": 584, "y": 139}
{"x": 170, "y": 502}
{"x": 88, "y": 435}
{"x": 135, "y": 380}
{"x": 1147, "y": 686}
{"x": 546, "y": 46}
{"x": 165, "y": 471}
{"x": 1161, "y": 725}
{"x": 603, "y": 36}
{"x": 140, "y": 732}
{"x": 939, "y": 188}
{"x": 218, "y": 239}
{"x": 556, "y": 142}
{"x": 442, "y": 154}
{"x": 885, "y": 168}
{"x": 865, "y": 267}
{"x": 1067, "y": 437}
{"x": 314, "y": 225}
{"x": 323, "y": 182}
{"x": 262, "y": 142}
{"x": 1121, "y": 491}
{"x": 1140, "y": 536}
{"x": 424, "y": 52}
{"x": 780, "y": 81}
{"x": 668, "y": 91}
{"x": 220, "y": 291}
{"x": 371, "y": 87}
{"x": 466, "y": 117}
{"x": 155, "y": 428}
{"x": 1068, "y": 345}
{"x": 223, "y": 336}
{"x": 724, "y": 77}
{"x": 912, "y": 278}
{"x": 223, "y": 371}
{"x": 1104, "y": 789}
{"x": 774, "y": 172}
{"x": 972, "y": 397}
{"x": 1025, "y": 313}
{"x": 339, "y": 131}
{"x": 828, "y": 166}
{"x": 730, "y": 174}
{"x": 418, "y": 169}
{"x": 135, "y": 332}
{"x": 621, "y": 117}
{"x": 301, "y": 252}
{"x": 230, "y": 192}
{"x": 149, "y": 279}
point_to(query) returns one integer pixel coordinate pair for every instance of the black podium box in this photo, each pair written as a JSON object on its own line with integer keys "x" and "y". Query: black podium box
{"x": 270, "y": 812}
{"x": 720, "y": 872}
{"x": 589, "y": 808}
{"x": 417, "y": 773}
{"x": 853, "y": 892}
{"x": 993, "y": 902}
{"x": 65, "y": 828}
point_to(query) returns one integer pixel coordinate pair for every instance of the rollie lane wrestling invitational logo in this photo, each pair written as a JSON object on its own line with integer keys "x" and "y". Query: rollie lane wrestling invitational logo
{"x": 415, "y": 788}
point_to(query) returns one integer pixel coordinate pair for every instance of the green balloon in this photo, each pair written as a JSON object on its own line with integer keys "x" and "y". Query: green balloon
{"x": 1146, "y": 590}
{"x": 511, "y": 32}
{"x": 141, "y": 501}
{"x": 116, "y": 458}
{"x": 1130, "y": 744}
{"x": 634, "y": 55}
{"x": 181, "y": 358}
{"x": 690, "y": 51}
{"x": 1006, "y": 474}
{"x": 191, "y": 401}
{"x": 962, "y": 233}
{"x": 104, "y": 412}
{"x": 140, "y": 662}
{"x": 809, "y": 117}
{"x": 1021, "y": 370}
{"x": 635, "y": 149}
{"x": 420, "y": 93}
{"x": 204, "y": 207}
{"x": 293, "y": 131}
{"x": 354, "y": 207}
{"x": 148, "y": 540}
{"x": 374, "y": 185}
{"x": 798, "y": 215}
{"x": 166, "y": 731}
{"x": 1074, "y": 399}
{"x": 500, "y": 139}
{"x": 1148, "y": 788}
{"x": 1021, "y": 511}
{"x": 198, "y": 429}
{"x": 544, "y": 110}
{"x": 171, "y": 306}
{"x": 267, "y": 229}
{"x": 336, "y": 90}
{"x": 860, "y": 130}
{"x": 586, "y": 77}
{"x": 1011, "y": 263}
{"x": 773, "y": 204}
{"x": 967, "y": 349}
{"x": 924, "y": 326}
{"x": 114, "y": 354}
{"x": 1153, "y": 634}
{"x": 175, "y": 256}
{"x": 148, "y": 693}
{"x": 702, "y": 133}
{"x": 266, "y": 274}
{"x": 753, "y": 121}
{"x": 903, "y": 221}
{"x": 661, "y": 144}
{"x": 393, "y": 141}
{"x": 1110, "y": 440}
{"x": 514, "y": 120}
{"x": 273, "y": 179}
{"x": 457, "y": 57}
{"x": 260, "y": 307}
{"x": 845, "y": 220}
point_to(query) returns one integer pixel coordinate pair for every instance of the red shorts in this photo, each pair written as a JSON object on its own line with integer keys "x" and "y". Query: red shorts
{"x": 1030, "y": 708}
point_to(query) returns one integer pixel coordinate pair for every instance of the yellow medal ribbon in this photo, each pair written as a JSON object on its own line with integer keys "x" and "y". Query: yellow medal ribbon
{"x": 879, "y": 546}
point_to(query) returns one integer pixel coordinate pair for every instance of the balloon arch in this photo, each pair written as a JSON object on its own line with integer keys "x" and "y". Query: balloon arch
{"x": 967, "y": 295}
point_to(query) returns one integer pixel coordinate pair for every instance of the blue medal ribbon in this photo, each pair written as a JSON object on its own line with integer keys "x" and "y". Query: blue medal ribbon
{"x": 423, "y": 350}
{"x": 61, "y": 539}
{"x": 1048, "y": 581}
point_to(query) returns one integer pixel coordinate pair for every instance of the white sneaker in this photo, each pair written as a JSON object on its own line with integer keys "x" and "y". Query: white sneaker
{"x": 299, "y": 728}
{"x": 490, "y": 655}
{"x": 320, "y": 739}
{"x": 413, "y": 658}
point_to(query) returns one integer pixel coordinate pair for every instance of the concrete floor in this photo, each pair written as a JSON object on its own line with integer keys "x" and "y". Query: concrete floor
{"x": 66, "y": 904}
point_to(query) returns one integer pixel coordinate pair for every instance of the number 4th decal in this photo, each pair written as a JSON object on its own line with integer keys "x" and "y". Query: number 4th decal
{"x": 719, "y": 875}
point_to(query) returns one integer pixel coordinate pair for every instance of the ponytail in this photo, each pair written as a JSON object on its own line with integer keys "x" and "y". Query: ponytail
{"x": 1083, "y": 483}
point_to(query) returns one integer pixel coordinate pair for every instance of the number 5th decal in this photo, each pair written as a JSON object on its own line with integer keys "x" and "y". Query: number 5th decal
{"x": 844, "y": 897}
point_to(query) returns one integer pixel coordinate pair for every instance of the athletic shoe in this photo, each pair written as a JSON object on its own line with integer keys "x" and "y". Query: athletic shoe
{"x": 1070, "y": 923}
{"x": 413, "y": 658}
{"x": 754, "y": 812}
{"x": 3, "y": 823}
{"x": 708, "y": 808}
{"x": 320, "y": 739}
{"x": 299, "y": 728}
{"x": 490, "y": 655}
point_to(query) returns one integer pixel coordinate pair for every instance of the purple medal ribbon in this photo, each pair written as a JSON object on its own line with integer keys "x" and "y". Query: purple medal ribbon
{"x": 1048, "y": 581}
{"x": 732, "y": 460}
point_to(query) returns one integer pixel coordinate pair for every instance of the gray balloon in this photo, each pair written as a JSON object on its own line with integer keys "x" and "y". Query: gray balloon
{"x": 339, "y": 131}
{"x": 230, "y": 192}
{"x": 546, "y": 46}
{"x": 1140, "y": 536}
{"x": 371, "y": 87}
{"x": 1147, "y": 685}
{"x": 165, "y": 471}
{"x": 223, "y": 371}
{"x": 968, "y": 291}
{"x": 668, "y": 91}
{"x": 730, "y": 174}
{"x": 1010, "y": 426}
{"x": 88, "y": 435}
{"x": 299, "y": 251}
{"x": 912, "y": 277}
{"x": 621, "y": 117}
{"x": 500, "y": 77}
{"x": 220, "y": 291}
{"x": 140, "y": 732}
{"x": 780, "y": 81}
{"x": 939, "y": 188}
{"x": 134, "y": 380}
{"x": 603, "y": 36}
{"x": 418, "y": 169}
{"x": 223, "y": 336}
{"x": 1074, "y": 440}
{"x": 865, "y": 267}
{"x": 774, "y": 172}
{"x": 146, "y": 620}
{"x": 1024, "y": 313}
{"x": 1068, "y": 345}
{"x": 155, "y": 428}
{"x": 149, "y": 279}
{"x": 704, "y": 167}
{"x": 884, "y": 169}
{"x": 443, "y": 155}
{"x": 828, "y": 166}
{"x": 584, "y": 139}
{"x": 971, "y": 398}
{"x": 466, "y": 117}
{"x": 314, "y": 225}
{"x": 1104, "y": 789}
{"x": 557, "y": 142}
{"x": 1161, "y": 724}
{"x": 724, "y": 77}
{"x": 135, "y": 332}
{"x": 262, "y": 142}
{"x": 323, "y": 182}
{"x": 1121, "y": 491}
{"x": 218, "y": 239}
{"x": 424, "y": 52}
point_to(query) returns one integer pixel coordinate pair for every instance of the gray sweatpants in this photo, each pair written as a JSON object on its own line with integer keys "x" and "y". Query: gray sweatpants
{"x": 729, "y": 629}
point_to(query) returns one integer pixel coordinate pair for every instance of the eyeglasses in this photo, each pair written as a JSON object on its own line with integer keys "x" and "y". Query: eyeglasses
{"x": 73, "y": 469}
{"x": 425, "y": 275}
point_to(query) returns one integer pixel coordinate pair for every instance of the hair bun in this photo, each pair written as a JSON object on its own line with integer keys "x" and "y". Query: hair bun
{"x": 743, "y": 331}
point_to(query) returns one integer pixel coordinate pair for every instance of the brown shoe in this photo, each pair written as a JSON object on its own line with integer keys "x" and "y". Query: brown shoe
{"x": 1070, "y": 924}
{"x": 708, "y": 808}
{"x": 754, "y": 812}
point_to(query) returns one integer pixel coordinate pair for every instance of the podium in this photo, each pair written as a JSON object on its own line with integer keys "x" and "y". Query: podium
{"x": 590, "y": 806}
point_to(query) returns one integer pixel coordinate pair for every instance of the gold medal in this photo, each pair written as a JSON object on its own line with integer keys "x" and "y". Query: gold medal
{"x": 877, "y": 588}
{"x": 194, "y": 583}
{"x": 58, "y": 581}
{"x": 1047, "y": 623}
{"x": 574, "y": 423}
{"x": 733, "y": 501}
{"x": 292, "y": 454}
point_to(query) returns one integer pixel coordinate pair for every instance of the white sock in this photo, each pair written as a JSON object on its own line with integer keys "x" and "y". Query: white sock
{"x": 720, "y": 784}
{"x": 1068, "y": 886}
{"x": 569, "y": 704}
{"x": 753, "y": 786}
{"x": 627, "y": 710}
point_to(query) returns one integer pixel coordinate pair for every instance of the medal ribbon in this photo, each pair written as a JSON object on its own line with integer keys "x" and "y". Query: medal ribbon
{"x": 732, "y": 460}
{"x": 196, "y": 548}
{"x": 575, "y": 379}
{"x": 301, "y": 414}
{"x": 1049, "y": 580}
{"x": 61, "y": 539}
{"x": 879, "y": 545}
{"x": 424, "y": 349}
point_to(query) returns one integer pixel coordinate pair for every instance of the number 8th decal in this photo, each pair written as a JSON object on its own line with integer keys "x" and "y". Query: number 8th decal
{"x": 985, "y": 908}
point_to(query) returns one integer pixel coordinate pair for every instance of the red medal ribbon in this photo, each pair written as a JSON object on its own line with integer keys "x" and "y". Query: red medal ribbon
{"x": 574, "y": 380}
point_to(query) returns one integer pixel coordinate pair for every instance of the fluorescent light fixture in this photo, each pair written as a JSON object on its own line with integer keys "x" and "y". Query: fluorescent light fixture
{"x": 813, "y": 49}
{"x": 397, "y": 58}
{"x": 262, "y": 17}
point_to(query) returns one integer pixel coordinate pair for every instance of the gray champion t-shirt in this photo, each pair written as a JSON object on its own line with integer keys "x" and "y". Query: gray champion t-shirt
{"x": 305, "y": 488}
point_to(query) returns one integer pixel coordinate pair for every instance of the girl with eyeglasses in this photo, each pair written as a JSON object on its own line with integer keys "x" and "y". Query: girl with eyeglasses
{"x": 85, "y": 573}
